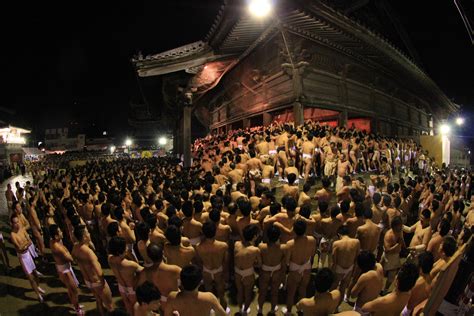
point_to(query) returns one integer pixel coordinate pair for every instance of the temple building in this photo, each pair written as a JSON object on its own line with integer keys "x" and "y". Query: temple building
{"x": 319, "y": 60}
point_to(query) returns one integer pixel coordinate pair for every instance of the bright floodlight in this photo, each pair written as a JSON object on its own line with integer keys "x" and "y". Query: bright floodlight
{"x": 112, "y": 149}
{"x": 128, "y": 142}
{"x": 444, "y": 129}
{"x": 162, "y": 141}
{"x": 260, "y": 8}
{"x": 459, "y": 121}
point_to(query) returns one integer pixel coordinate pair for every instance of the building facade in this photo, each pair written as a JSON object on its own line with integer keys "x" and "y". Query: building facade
{"x": 59, "y": 139}
{"x": 306, "y": 61}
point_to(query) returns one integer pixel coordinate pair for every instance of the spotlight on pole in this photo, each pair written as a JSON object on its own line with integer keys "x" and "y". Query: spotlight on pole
{"x": 162, "y": 141}
{"x": 128, "y": 142}
{"x": 444, "y": 129}
{"x": 459, "y": 121}
{"x": 260, "y": 8}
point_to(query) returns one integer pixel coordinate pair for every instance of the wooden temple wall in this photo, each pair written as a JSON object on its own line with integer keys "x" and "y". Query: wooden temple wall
{"x": 331, "y": 81}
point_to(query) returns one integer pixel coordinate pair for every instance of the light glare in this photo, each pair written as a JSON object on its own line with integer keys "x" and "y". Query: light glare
{"x": 162, "y": 141}
{"x": 260, "y": 8}
{"x": 444, "y": 129}
{"x": 128, "y": 142}
{"x": 459, "y": 121}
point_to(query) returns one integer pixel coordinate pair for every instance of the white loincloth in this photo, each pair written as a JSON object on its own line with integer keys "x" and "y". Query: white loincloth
{"x": 126, "y": 290}
{"x": 66, "y": 268}
{"x": 27, "y": 262}
{"x": 344, "y": 271}
{"x": 212, "y": 272}
{"x": 271, "y": 269}
{"x": 245, "y": 272}
{"x": 300, "y": 268}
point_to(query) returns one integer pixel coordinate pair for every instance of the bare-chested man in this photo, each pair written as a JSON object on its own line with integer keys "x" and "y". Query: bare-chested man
{"x": 370, "y": 281}
{"x": 148, "y": 300}
{"x": 263, "y": 147}
{"x": 324, "y": 195}
{"x": 164, "y": 276}
{"x": 422, "y": 234}
{"x": 344, "y": 254}
{"x": 447, "y": 250}
{"x": 282, "y": 148}
{"x": 255, "y": 167}
{"x": 344, "y": 192}
{"x": 307, "y": 149}
{"x": 285, "y": 220}
{"x": 393, "y": 244}
{"x": 434, "y": 245}
{"x": 392, "y": 209}
{"x": 223, "y": 231}
{"x": 343, "y": 167}
{"x": 369, "y": 233}
{"x": 36, "y": 226}
{"x": 213, "y": 255}
{"x": 268, "y": 172}
{"x": 63, "y": 259}
{"x": 273, "y": 270}
{"x": 10, "y": 197}
{"x": 239, "y": 193}
{"x": 291, "y": 188}
{"x": 329, "y": 227}
{"x": 393, "y": 303}
{"x": 91, "y": 270}
{"x": 175, "y": 252}
{"x": 236, "y": 176}
{"x": 190, "y": 301}
{"x": 125, "y": 271}
{"x": 324, "y": 302}
{"x": 245, "y": 210}
{"x": 128, "y": 233}
{"x": 301, "y": 251}
{"x": 292, "y": 169}
{"x": 192, "y": 228}
{"x": 246, "y": 258}
{"x": 422, "y": 288}
{"x": 22, "y": 243}
{"x": 330, "y": 162}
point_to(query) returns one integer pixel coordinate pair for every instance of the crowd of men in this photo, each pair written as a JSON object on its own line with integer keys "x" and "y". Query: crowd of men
{"x": 178, "y": 239}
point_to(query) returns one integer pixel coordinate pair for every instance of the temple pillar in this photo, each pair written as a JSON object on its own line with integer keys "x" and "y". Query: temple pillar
{"x": 246, "y": 123}
{"x": 267, "y": 119}
{"x": 187, "y": 111}
{"x": 298, "y": 113}
{"x": 176, "y": 142}
{"x": 342, "y": 119}
{"x": 375, "y": 125}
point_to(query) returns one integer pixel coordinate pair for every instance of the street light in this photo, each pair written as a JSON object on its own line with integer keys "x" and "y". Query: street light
{"x": 128, "y": 143}
{"x": 162, "y": 141}
{"x": 444, "y": 129}
{"x": 459, "y": 121}
{"x": 260, "y": 8}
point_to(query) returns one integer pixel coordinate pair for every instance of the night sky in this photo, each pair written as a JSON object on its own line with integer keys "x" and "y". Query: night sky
{"x": 70, "y": 61}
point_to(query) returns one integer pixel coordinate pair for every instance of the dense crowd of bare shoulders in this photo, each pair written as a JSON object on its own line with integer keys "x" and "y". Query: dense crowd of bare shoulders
{"x": 323, "y": 214}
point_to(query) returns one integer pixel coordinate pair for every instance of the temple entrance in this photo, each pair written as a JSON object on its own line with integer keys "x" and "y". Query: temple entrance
{"x": 237, "y": 125}
{"x": 361, "y": 124}
{"x": 324, "y": 117}
{"x": 256, "y": 121}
